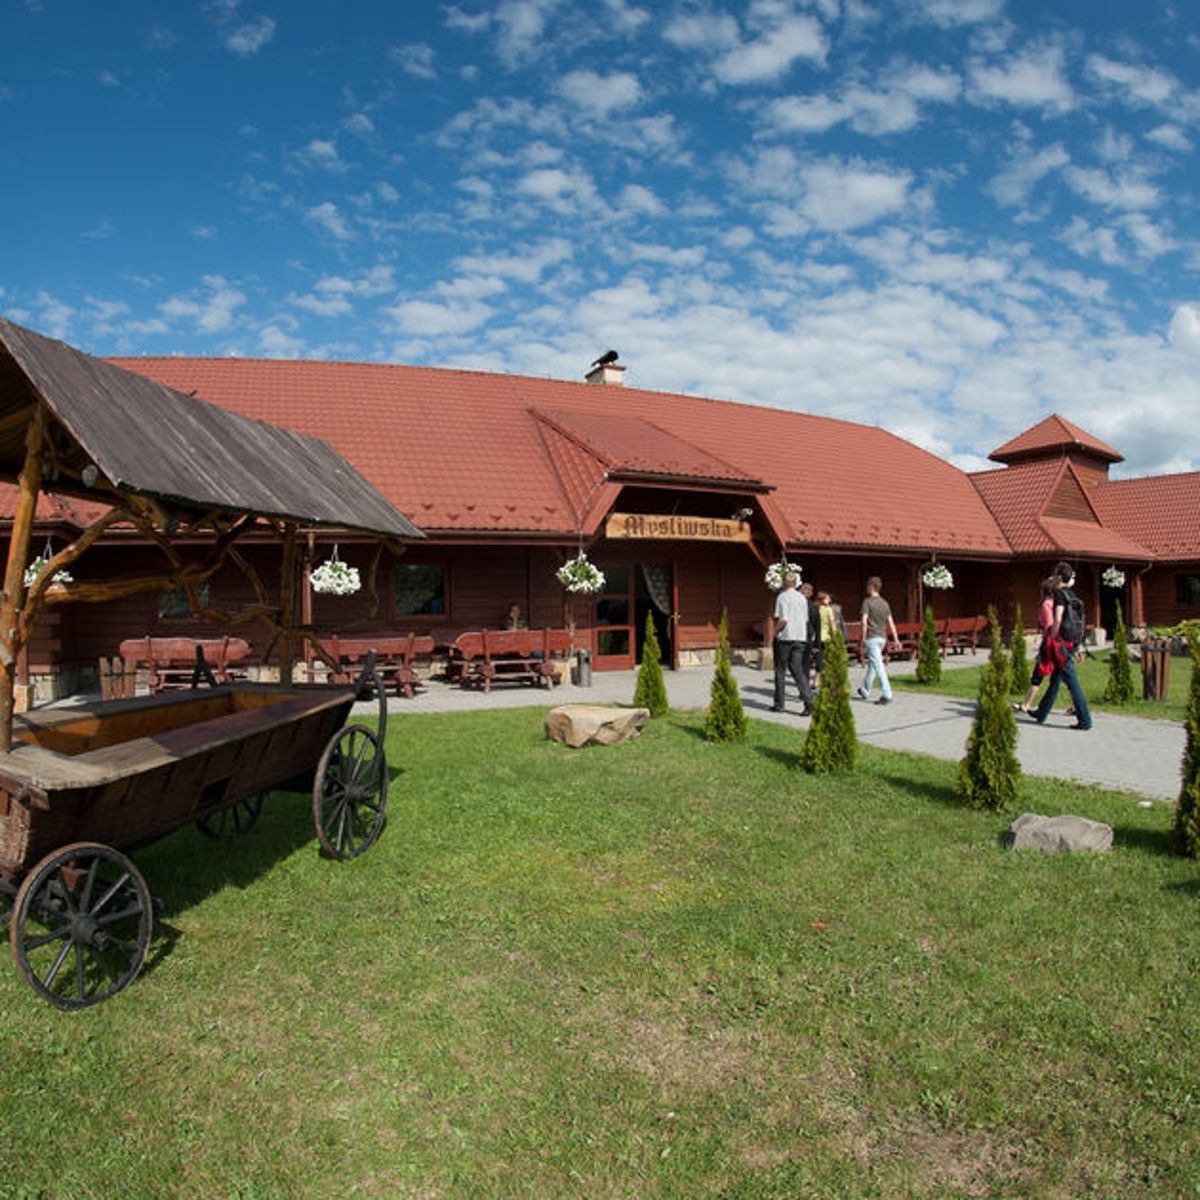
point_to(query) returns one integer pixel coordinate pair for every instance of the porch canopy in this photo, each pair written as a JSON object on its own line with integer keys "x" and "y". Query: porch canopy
{"x": 116, "y": 431}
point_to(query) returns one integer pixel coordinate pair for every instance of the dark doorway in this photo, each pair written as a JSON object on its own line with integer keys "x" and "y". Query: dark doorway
{"x": 654, "y": 588}
{"x": 1109, "y": 598}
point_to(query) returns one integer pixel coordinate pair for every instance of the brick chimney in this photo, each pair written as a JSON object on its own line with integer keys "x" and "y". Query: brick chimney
{"x": 606, "y": 369}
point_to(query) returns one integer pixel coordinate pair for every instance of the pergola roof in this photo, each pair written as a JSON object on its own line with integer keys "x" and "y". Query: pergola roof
{"x": 144, "y": 438}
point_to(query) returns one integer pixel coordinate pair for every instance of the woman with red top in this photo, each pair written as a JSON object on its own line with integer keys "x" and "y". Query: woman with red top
{"x": 1043, "y": 668}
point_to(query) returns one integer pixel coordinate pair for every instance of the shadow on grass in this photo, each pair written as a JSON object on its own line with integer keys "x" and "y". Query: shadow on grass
{"x": 785, "y": 758}
{"x": 1189, "y": 887}
{"x": 940, "y": 793}
{"x": 1149, "y": 841}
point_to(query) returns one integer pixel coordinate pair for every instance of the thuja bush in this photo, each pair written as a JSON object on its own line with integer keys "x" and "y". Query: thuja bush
{"x": 651, "y": 689}
{"x": 832, "y": 740}
{"x": 1119, "y": 688}
{"x": 1018, "y": 661}
{"x": 999, "y": 656}
{"x": 989, "y": 775}
{"x": 929, "y": 653}
{"x": 725, "y": 720}
{"x": 1187, "y": 812}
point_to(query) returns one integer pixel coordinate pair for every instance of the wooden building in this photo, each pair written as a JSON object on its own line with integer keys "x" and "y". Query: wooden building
{"x": 682, "y": 501}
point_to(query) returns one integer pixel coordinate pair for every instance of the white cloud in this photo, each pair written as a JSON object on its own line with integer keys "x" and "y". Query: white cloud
{"x": 636, "y": 200}
{"x": 322, "y": 154}
{"x": 950, "y": 13}
{"x": 1184, "y": 332}
{"x": 1171, "y": 137}
{"x": 624, "y": 18}
{"x": 600, "y": 95}
{"x": 416, "y": 59}
{"x": 423, "y": 318}
{"x": 209, "y": 313}
{"x": 1033, "y": 78}
{"x": 711, "y": 32}
{"x": 1140, "y": 85}
{"x": 565, "y": 190}
{"x": 326, "y": 217}
{"x": 772, "y": 55}
{"x": 359, "y": 124}
{"x": 1026, "y": 168}
{"x": 526, "y": 264}
{"x": 248, "y": 39}
{"x": 276, "y": 343}
{"x": 1128, "y": 191}
{"x": 521, "y": 25}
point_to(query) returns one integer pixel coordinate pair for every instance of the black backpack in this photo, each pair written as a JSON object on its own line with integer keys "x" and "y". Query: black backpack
{"x": 1073, "y": 624}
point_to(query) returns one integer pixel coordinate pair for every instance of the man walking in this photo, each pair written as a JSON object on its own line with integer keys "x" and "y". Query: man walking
{"x": 1066, "y": 634}
{"x": 791, "y": 632}
{"x": 877, "y": 623}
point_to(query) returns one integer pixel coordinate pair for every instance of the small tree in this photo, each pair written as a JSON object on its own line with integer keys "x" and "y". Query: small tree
{"x": 989, "y": 774}
{"x": 1119, "y": 688}
{"x": 929, "y": 653}
{"x": 1019, "y": 667}
{"x": 1187, "y": 812}
{"x": 832, "y": 740}
{"x": 725, "y": 720}
{"x": 999, "y": 656}
{"x": 651, "y": 690}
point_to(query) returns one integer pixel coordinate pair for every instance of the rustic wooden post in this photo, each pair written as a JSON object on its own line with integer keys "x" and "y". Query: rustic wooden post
{"x": 28, "y": 485}
{"x": 287, "y": 603}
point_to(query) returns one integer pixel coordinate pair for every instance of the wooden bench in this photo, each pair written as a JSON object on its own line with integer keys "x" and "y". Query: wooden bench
{"x": 909, "y": 634}
{"x": 177, "y": 662}
{"x": 394, "y": 659}
{"x": 489, "y": 656}
{"x": 962, "y": 633}
{"x": 856, "y": 645}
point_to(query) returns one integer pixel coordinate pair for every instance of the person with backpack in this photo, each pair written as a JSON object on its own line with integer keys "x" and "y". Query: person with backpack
{"x": 1067, "y": 634}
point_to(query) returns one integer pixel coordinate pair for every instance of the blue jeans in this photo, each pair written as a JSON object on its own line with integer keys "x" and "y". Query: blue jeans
{"x": 875, "y": 667}
{"x": 1082, "y": 713}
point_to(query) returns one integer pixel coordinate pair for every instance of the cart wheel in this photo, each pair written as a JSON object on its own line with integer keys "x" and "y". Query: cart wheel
{"x": 239, "y": 817}
{"x": 81, "y": 925}
{"x": 350, "y": 791}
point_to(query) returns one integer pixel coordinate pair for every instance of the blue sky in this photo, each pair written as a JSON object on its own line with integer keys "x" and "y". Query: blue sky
{"x": 945, "y": 217}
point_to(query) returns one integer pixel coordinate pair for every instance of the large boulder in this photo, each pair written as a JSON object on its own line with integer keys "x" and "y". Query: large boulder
{"x": 1058, "y": 835}
{"x": 594, "y": 724}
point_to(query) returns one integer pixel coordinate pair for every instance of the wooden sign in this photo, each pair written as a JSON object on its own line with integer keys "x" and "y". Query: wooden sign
{"x": 624, "y": 526}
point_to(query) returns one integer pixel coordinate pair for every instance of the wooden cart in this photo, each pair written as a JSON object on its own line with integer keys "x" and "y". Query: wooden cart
{"x": 81, "y": 786}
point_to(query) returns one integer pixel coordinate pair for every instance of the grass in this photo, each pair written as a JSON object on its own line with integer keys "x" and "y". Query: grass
{"x": 1093, "y": 676}
{"x": 665, "y": 969}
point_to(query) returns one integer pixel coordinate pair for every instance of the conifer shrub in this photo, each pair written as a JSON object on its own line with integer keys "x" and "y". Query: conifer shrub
{"x": 1019, "y": 667}
{"x": 651, "y": 689}
{"x": 929, "y": 653}
{"x": 998, "y": 655}
{"x": 725, "y": 720}
{"x": 1119, "y": 688}
{"x": 1187, "y": 812}
{"x": 832, "y": 741}
{"x": 989, "y": 775}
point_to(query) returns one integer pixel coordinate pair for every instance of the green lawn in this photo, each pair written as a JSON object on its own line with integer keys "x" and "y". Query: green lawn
{"x": 1093, "y": 676}
{"x": 665, "y": 969}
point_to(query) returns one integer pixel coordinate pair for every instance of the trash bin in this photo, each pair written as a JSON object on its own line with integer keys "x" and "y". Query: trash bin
{"x": 583, "y": 668}
{"x": 1156, "y": 668}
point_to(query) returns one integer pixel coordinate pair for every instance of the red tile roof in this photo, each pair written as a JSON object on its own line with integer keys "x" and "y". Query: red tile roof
{"x": 463, "y": 451}
{"x": 1162, "y": 512}
{"x": 1053, "y": 433}
{"x": 1019, "y": 496}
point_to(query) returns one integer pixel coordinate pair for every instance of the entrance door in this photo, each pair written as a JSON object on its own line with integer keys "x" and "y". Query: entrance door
{"x": 614, "y": 621}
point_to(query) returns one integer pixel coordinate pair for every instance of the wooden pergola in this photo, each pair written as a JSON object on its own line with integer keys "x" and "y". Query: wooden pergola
{"x": 169, "y": 465}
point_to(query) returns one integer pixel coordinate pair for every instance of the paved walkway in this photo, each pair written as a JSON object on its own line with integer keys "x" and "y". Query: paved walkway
{"x": 1128, "y": 753}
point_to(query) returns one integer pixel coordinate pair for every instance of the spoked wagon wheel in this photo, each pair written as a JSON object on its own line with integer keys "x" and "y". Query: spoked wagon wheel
{"x": 239, "y": 817}
{"x": 350, "y": 791}
{"x": 80, "y": 927}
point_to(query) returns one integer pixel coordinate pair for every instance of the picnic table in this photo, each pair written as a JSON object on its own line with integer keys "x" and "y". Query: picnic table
{"x": 486, "y": 656}
{"x": 174, "y": 662}
{"x": 395, "y": 656}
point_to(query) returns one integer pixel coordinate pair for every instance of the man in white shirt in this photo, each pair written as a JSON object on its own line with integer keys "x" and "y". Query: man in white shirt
{"x": 791, "y": 633}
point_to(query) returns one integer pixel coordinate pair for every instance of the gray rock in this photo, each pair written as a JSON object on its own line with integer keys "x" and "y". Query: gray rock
{"x": 1058, "y": 835}
{"x": 594, "y": 724}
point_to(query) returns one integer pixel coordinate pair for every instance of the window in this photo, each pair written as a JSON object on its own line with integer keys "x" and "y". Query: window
{"x": 174, "y": 605}
{"x": 1187, "y": 591}
{"x": 420, "y": 590}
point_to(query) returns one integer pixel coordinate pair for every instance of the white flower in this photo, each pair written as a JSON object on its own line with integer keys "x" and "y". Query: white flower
{"x": 579, "y": 575}
{"x": 938, "y": 578}
{"x": 776, "y": 572}
{"x": 336, "y": 578}
{"x": 1112, "y": 577}
{"x": 35, "y": 569}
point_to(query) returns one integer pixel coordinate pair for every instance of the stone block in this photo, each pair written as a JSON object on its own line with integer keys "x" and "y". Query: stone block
{"x": 578, "y": 725}
{"x": 1058, "y": 835}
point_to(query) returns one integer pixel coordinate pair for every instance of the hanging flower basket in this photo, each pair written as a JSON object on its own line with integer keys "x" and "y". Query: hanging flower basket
{"x": 777, "y": 571}
{"x": 938, "y": 578}
{"x": 335, "y": 578}
{"x": 579, "y": 575}
{"x": 1113, "y": 577}
{"x": 40, "y": 563}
